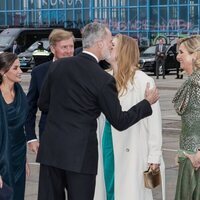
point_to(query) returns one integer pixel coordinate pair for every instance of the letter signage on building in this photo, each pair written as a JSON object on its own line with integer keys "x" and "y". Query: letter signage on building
{"x": 60, "y": 3}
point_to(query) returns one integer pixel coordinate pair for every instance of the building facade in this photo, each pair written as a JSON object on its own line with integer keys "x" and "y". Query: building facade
{"x": 144, "y": 19}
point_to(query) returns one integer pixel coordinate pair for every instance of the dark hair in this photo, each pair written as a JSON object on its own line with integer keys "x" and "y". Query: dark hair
{"x": 6, "y": 61}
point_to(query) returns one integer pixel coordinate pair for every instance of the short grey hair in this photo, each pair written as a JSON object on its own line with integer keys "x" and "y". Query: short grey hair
{"x": 93, "y": 32}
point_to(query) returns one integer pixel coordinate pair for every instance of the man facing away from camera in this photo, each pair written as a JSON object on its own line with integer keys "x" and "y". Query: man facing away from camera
{"x": 74, "y": 93}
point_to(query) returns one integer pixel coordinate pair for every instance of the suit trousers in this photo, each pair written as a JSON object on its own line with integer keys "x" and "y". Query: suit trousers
{"x": 53, "y": 182}
{"x": 160, "y": 62}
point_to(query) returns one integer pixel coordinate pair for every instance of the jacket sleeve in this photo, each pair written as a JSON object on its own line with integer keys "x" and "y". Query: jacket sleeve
{"x": 32, "y": 98}
{"x": 44, "y": 97}
{"x": 45, "y": 92}
{"x": 155, "y": 133}
{"x": 109, "y": 103}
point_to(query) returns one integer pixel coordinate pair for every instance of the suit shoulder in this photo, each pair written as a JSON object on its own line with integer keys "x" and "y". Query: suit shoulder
{"x": 41, "y": 67}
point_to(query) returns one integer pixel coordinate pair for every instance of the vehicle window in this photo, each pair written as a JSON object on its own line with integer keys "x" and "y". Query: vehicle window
{"x": 150, "y": 50}
{"x": 46, "y": 44}
{"x": 35, "y": 45}
{"x": 6, "y": 40}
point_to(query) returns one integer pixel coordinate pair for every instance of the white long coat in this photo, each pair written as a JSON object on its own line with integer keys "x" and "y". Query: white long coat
{"x": 134, "y": 148}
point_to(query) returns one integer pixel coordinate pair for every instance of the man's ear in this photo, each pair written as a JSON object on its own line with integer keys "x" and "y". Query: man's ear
{"x": 100, "y": 44}
{"x": 52, "y": 49}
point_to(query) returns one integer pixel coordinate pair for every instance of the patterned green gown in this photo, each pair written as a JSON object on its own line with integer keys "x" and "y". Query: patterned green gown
{"x": 187, "y": 105}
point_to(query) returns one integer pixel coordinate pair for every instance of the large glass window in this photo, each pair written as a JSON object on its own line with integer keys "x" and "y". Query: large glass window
{"x": 163, "y": 2}
{"x": 134, "y": 23}
{"x": 153, "y": 2}
{"x": 172, "y": 22}
{"x": 153, "y": 18}
{"x": 183, "y": 20}
{"x": 163, "y": 19}
{"x": 2, "y": 18}
{"x": 143, "y": 2}
{"x": 183, "y": 1}
{"x": 2, "y": 5}
{"x": 143, "y": 18}
{"x": 172, "y": 2}
{"x": 193, "y": 20}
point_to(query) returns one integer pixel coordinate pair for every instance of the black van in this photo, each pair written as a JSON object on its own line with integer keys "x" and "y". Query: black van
{"x": 27, "y": 36}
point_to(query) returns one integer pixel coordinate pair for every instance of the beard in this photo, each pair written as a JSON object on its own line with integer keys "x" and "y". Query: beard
{"x": 106, "y": 55}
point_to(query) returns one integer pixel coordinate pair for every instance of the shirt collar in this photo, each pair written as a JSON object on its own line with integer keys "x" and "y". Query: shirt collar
{"x": 91, "y": 54}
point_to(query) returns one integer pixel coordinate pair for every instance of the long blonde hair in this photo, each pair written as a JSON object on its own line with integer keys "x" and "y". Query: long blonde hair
{"x": 127, "y": 61}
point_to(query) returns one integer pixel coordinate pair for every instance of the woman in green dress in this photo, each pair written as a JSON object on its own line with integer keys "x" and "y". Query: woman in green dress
{"x": 12, "y": 118}
{"x": 187, "y": 105}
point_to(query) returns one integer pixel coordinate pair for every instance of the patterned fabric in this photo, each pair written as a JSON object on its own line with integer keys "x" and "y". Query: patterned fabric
{"x": 187, "y": 105}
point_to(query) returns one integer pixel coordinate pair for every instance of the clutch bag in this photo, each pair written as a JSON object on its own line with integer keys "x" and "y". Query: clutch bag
{"x": 152, "y": 178}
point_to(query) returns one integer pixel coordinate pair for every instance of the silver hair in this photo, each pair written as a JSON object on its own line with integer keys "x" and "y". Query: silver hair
{"x": 93, "y": 32}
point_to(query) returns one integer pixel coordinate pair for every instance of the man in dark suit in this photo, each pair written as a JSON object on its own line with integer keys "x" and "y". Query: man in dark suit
{"x": 160, "y": 57}
{"x": 74, "y": 93}
{"x": 61, "y": 45}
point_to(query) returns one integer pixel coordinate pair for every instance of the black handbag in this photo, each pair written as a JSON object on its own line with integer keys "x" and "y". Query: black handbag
{"x": 152, "y": 178}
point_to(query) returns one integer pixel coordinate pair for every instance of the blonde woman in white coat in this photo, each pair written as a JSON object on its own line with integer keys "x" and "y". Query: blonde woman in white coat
{"x": 138, "y": 147}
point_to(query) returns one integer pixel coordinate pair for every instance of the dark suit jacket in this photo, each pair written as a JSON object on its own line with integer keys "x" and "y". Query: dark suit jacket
{"x": 161, "y": 53}
{"x": 75, "y": 92}
{"x": 37, "y": 77}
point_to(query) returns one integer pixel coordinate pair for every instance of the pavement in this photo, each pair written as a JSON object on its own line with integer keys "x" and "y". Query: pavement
{"x": 171, "y": 129}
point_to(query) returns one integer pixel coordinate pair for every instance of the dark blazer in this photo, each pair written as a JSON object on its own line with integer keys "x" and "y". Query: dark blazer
{"x": 75, "y": 92}
{"x": 37, "y": 77}
{"x": 160, "y": 54}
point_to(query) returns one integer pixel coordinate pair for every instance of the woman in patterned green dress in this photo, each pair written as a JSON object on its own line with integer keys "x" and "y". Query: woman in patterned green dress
{"x": 187, "y": 105}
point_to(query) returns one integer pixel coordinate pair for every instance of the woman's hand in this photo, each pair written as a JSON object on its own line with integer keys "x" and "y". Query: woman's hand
{"x": 195, "y": 159}
{"x": 154, "y": 166}
{"x": 28, "y": 170}
{"x": 1, "y": 182}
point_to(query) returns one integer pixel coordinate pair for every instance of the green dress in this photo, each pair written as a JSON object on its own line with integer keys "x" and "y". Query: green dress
{"x": 13, "y": 143}
{"x": 108, "y": 161}
{"x": 187, "y": 105}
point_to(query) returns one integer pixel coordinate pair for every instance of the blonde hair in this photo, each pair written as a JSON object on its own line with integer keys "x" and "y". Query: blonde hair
{"x": 127, "y": 61}
{"x": 58, "y": 35}
{"x": 192, "y": 44}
